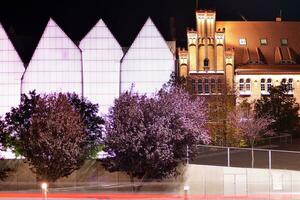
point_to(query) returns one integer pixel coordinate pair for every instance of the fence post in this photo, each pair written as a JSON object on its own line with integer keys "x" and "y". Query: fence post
{"x": 270, "y": 159}
{"x": 228, "y": 156}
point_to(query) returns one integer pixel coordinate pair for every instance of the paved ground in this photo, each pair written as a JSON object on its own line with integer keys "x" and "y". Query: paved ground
{"x": 15, "y": 196}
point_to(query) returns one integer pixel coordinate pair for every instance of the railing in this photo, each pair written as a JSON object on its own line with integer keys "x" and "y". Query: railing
{"x": 246, "y": 157}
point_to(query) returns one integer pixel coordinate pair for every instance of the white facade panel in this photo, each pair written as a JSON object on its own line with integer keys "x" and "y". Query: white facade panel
{"x": 148, "y": 63}
{"x": 55, "y": 65}
{"x": 11, "y": 70}
{"x": 101, "y": 66}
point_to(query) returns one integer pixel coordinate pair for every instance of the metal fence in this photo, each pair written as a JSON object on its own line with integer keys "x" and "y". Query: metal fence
{"x": 246, "y": 157}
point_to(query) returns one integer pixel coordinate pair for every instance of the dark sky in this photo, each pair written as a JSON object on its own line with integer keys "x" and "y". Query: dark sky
{"x": 126, "y": 17}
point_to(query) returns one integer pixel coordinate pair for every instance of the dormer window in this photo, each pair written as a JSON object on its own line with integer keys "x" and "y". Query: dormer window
{"x": 243, "y": 41}
{"x": 263, "y": 42}
{"x": 284, "y": 42}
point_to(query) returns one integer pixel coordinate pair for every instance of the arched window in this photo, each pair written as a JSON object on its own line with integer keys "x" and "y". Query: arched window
{"x": 269, "y": 84}
{"x": 206, "y": 86}
{"x": 283, "y": 81}
{"x": 200, "y": 88}
{"x": 263, "y": 85}
{"x": 193, "y": 86}
{"x": 241, "y": 86}
{"x": 213, "y": 86}
{"x": 248, "y": 85}
{"x": 206, "y": 62}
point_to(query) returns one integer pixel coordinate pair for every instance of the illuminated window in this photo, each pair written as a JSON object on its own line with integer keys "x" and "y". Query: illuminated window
{"x": 213, "y": 86}
{"x": 206, "y": 86}
{"x": 248, "y": 84}
{"x": 284, "y": 42}
{"x": 263, "y": 85}
{"x": 200, "y": 88}
{"x": 241, "y": 86}
{"x": 263, "y": 41}
{"x": 243, "y": 41}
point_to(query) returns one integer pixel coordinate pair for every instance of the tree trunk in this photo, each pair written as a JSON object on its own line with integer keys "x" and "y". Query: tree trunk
{"x": 132, "y": 182}
{"x": 252, "y": 157}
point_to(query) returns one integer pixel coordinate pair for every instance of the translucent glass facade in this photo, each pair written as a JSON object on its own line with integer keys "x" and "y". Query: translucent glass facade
{"x": 11, "y": 71}
{"x": 56, "y": 64}
{"x": 101, "y": 66}
{"x": 148, "y": 63}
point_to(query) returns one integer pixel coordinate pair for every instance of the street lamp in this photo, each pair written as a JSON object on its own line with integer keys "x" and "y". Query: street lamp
{"x": 44, "y": 187}
{"x": 186, "y": 188}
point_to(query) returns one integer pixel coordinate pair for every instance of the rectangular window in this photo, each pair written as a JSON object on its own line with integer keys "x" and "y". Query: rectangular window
{"x": 284, "y": 42}
{"x": 262, "y": 84}
{"x": 243, "y": 41}
{"x": 241, "y": 87}
{"x": 263, "y": 41}
{"x": 206, "y": 86}
{"x": 248, "y": 85}
{"x": 200, "y": 89}
{"x": 193, "y": 86}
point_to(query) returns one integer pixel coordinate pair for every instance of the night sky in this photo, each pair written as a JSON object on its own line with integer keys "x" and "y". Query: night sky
{"x": 126, "y": 17}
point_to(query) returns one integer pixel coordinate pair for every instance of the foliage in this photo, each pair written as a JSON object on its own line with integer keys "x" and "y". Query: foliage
{"x": 281, "y": 107}
{"x": 219, "y": 108}
{"x": 250, "y": 128}
{"x": 147, "y": 137}
{"x": 93, "y": 123}
{"x": 176, "y": 81}
{"x": 3, "y": 170}
{"x": 55, "y": 133}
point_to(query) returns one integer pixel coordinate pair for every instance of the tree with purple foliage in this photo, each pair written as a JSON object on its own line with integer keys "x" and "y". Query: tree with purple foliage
{"x": 250, "y": 127}
{"x": 146, "y": 137}
{"x": 54, "y": 132}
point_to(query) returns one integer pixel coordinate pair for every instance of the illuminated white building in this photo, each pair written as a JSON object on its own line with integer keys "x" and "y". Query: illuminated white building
{"x": 96, "y": 69}
{"x": 56, "y": 65}
{"x": 11, "y": 70}
{"x": 101, "y": 55}
{"x": 148, "y": 63}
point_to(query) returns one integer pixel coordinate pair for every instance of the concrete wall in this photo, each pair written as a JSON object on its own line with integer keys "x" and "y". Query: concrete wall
{"x": 202, "y": 180}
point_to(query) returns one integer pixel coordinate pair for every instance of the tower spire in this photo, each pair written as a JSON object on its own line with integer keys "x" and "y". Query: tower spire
{"x": 197, "y": 4}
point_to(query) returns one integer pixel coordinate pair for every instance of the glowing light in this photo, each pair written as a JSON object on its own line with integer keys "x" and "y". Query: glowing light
{"x": 44, "y": 186}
